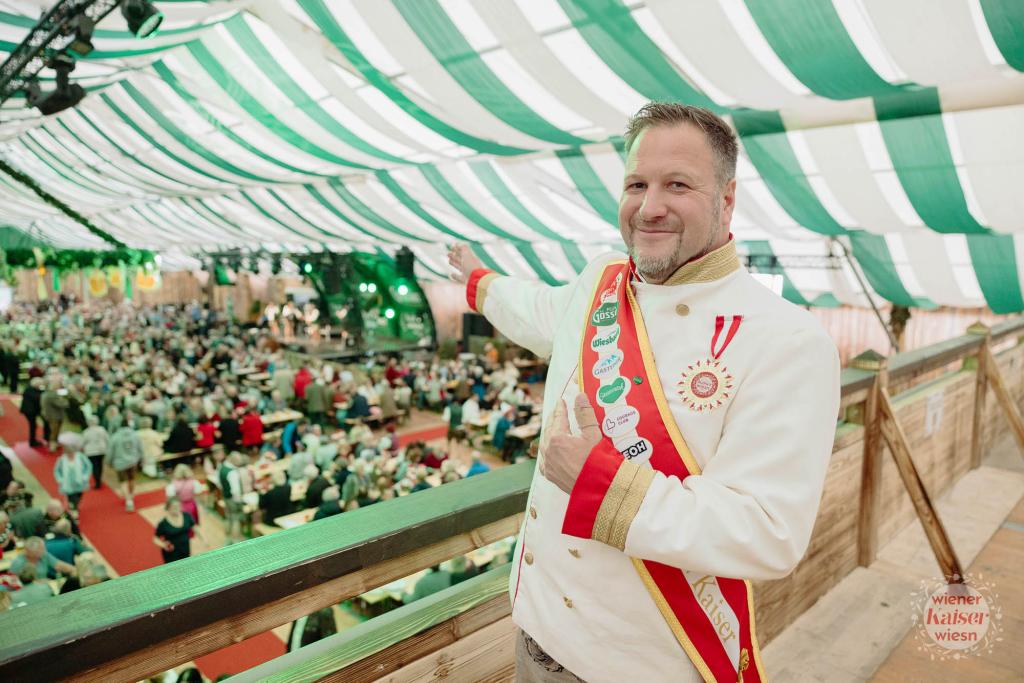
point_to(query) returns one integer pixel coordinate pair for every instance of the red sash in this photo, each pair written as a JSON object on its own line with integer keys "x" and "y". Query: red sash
{"x": 702, "y": 611}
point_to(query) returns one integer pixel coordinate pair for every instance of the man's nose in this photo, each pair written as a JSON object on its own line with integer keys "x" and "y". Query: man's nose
{"x": 653, "y": 207}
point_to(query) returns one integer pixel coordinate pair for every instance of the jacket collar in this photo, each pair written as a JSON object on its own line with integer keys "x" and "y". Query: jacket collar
{"x": 710, "y": 267}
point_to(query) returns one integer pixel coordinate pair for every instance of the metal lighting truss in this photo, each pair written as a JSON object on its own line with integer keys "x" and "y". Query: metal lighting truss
{"x": 54, "y": 32}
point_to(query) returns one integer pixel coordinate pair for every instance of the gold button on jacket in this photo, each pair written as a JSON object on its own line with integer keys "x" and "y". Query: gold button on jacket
{"x": 528, "y": 557}
{"x": 568, "y": 602}
{"x": 533, "y": 512}
{"x": 683, "y": 309}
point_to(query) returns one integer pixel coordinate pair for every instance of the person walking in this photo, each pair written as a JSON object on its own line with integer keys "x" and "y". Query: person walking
{"x": 72, "y": 470}
{"x": 31, "y": 406}
{"x": 95, "y": 442}
{"x": 53, "y": 405}
{"x": 125, "y": 455}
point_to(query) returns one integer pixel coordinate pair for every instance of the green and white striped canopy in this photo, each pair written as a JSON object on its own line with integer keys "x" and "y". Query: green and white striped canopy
{"x": 893, "y": 127}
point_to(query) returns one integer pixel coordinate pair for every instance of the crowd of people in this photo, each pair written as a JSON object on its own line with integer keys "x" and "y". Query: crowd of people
{"x": 131, "y": 391}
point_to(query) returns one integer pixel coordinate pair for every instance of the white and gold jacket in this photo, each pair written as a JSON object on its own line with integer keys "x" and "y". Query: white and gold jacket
{"x": 763, "y": 453}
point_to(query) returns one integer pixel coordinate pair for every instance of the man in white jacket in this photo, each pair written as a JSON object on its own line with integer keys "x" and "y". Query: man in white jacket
{"x": 690, "y": 414}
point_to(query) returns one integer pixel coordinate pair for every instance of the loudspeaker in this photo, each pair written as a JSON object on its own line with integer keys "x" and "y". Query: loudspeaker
{"x": 404, "y": 260}
{"x": 331, "y": 277}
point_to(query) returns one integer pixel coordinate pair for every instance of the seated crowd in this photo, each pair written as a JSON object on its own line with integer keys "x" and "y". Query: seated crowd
{"x": 131, "y": 389}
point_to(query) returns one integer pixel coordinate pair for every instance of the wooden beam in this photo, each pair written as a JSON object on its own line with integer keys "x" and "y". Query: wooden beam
{"x": 1004, "y": 397}
{"x": 486, "y": 656}
{"x": 899, "y": 446}
{"x": 980, "y": 390}
{"x": 176, "y": 601}
{"x": 166, "y": 655}
{"x": 871, "y": 464}
{"x": 387, "y": 642}
{"x": 425, "y": 643}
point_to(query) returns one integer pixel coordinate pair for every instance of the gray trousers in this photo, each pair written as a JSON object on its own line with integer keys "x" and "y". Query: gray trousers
{"x": 534, "y": 665}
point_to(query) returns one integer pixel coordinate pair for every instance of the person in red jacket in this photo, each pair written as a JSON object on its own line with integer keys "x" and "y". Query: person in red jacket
{"x": 252, "y": 430}
{"x": 303, "y": 378}
{"x": 207, "y": 431}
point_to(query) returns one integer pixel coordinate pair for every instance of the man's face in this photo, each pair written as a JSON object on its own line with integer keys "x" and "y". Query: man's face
{"x": 672, "y": 208}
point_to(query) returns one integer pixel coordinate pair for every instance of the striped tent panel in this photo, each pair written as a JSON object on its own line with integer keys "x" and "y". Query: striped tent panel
{"x": 892, "y": 129}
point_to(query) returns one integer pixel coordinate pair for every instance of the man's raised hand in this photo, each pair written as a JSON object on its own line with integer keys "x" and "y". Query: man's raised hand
{"x": 463, "y": 262}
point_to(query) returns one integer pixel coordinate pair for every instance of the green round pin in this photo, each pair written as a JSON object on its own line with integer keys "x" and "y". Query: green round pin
{"x": 637, "y": 379}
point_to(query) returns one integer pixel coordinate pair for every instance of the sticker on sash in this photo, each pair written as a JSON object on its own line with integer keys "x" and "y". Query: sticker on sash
{"x": 607, "y": 365}
{"x": 636, "y": 450}
{"x": 620, "y": 421}
{"x": 705, "y": 385}
{"x": 605, "y": 338}
{"x": 606, "y": 314}
{"x": 610, "y": 393}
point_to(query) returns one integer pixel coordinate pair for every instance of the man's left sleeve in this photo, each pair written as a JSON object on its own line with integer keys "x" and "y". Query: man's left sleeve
{"x": 750, "y": 512}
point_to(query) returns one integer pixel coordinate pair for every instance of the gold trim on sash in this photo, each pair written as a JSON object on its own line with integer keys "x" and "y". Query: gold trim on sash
{"x": 694, "y": 468}
{"x": 673, "y": 622}
{"x": 753, "y": 634}
{"x": 656, "y": 389}
{"x": 623, "y": 492}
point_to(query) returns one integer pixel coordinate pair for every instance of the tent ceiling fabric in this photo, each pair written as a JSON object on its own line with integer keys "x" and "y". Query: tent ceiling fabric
{"x": 895, "y": 127}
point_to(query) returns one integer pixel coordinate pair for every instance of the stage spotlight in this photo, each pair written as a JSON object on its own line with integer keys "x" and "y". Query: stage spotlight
{"x": 403, "y": 290}
{"x": 82, "y": 26}
{"x": 307, "y": 267}
{"x": 142, "y": 17}
{"x": 362, "y": 287}
{"x": 371, "y": 288}
{"x": 389, "y": 313}
{"x": 65, "y": 96}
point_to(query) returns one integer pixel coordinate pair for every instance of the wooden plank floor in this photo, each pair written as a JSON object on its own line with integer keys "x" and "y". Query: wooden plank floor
{"x": 1000, "y": 563}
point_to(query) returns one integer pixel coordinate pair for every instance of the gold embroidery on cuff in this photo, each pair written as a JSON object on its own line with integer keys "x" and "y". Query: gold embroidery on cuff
{"x": 612, "y": 500}
{"x": 630, "y": 506}
{"x": 481, "y": 290}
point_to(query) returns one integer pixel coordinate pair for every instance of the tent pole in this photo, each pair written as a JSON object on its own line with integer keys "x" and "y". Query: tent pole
{"x": 864, "y": 288}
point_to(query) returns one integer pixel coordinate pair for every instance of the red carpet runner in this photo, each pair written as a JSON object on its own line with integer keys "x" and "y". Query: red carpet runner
{"x": 124, "y": 540}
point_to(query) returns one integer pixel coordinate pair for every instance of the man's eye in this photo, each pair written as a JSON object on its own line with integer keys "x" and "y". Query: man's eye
{"x": 677, "y": 185}
{"x": 636, "y": 186}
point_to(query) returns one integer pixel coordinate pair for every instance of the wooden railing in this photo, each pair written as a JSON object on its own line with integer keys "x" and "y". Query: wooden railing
{"x": 151, "y": 621}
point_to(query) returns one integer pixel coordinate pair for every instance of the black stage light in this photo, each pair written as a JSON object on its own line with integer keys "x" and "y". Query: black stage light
{"x": 65, "y": 96}
{"x": 82, "y": 26}
{"x": 142, "y": 17}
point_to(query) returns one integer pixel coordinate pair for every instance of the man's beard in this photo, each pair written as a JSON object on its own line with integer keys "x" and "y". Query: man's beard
{"x": 659, "y": 267}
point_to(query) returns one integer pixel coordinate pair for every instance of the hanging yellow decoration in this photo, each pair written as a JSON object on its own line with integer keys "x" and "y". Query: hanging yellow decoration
{"x": 147, "y": 280}
{"x": 97, "y": 283}
{"x": 115, "y": 277}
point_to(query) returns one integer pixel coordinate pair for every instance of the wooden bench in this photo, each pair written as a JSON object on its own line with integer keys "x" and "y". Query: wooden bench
{"x": 195, "y": 453}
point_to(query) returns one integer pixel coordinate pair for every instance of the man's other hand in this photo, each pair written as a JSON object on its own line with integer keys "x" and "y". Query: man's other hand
{"x": 563, "y": 453}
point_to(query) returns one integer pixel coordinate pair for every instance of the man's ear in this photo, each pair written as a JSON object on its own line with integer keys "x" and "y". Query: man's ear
{"x": 728, "y": 204}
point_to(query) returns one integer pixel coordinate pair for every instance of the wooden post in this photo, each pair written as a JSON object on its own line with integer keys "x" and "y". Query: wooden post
{"x": 980, "y": 387}
{"x": 871, "y": 464}
{"x": 899, "y": 446}
{"x": 1004, "y": 397}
